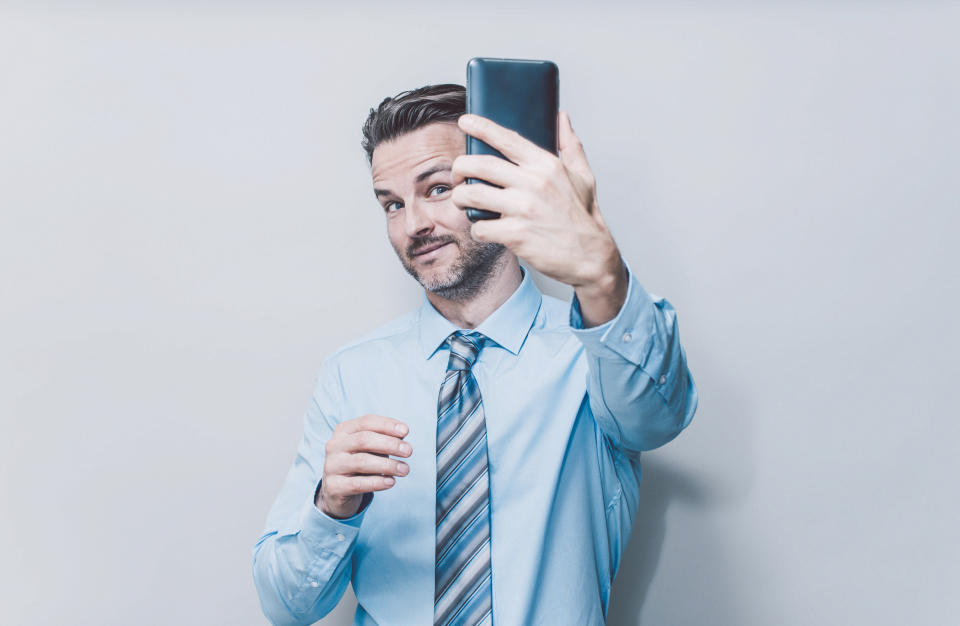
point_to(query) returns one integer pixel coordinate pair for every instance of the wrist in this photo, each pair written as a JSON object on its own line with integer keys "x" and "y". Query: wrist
{"x": 604, "y": 281}
{"x": 602, "y": 299}
{"x": 341, "y": 508}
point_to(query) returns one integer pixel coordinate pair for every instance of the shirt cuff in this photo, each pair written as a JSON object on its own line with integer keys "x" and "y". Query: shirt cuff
{"x": 322, "y": 532}
{"x": 628, "y": 335}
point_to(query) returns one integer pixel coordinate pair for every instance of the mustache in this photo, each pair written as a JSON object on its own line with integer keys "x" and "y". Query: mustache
{"x": 419, "y": 245}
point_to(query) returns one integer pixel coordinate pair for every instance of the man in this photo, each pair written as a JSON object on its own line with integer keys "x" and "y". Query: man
{"x": 477, "y": 460}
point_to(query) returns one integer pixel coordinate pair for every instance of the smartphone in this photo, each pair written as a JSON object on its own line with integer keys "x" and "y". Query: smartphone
{"x": 520, "y": 94}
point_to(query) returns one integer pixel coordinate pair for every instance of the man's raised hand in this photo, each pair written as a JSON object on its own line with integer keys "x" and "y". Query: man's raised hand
{"x": 548, "y": 204}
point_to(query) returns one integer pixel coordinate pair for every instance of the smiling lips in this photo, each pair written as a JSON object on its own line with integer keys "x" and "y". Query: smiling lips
{"x": 430, "y": 249}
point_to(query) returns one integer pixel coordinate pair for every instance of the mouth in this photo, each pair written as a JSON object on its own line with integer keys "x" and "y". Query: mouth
{"x": 430, "y": 249}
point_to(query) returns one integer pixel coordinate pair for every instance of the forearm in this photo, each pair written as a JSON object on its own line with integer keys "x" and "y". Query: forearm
{"x": 285, "y": 573}
{"x": 641, "y": 391}
{"x": 301, "y": 563}
{"x": 301, "y": 573}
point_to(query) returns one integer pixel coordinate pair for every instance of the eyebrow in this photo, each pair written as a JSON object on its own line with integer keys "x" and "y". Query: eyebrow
{"x": 422, "y": 176}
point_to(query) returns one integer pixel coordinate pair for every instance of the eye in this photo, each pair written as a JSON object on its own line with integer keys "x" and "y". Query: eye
{"x": 442, "y": 188}
{"x": 387, "y": 206}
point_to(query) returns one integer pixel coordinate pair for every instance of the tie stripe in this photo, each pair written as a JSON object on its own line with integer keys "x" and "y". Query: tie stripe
{"x": 472, "y": 579}
{"x": 465, "y": 504}
{"x": 458, "y": 447}
{"x": 453, "y": 386}
{"x": 463, "y": 592}
{"x": 459, "y": 410}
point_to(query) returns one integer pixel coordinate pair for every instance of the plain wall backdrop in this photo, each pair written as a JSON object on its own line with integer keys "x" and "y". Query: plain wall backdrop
{"x": 187, "y": 229}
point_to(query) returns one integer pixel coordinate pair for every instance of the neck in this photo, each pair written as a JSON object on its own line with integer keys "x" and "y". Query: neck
{"x": 469, "y": 314}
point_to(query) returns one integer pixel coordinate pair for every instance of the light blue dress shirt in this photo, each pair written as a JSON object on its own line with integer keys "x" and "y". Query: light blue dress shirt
{"x": 567, "y": 411}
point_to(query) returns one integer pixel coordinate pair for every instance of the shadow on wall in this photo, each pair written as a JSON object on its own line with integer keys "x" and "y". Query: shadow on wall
{"x": 711, "y": 473}
{"x": 660, "y": 485}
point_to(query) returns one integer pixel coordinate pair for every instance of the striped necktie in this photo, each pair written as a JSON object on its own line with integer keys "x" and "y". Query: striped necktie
{"x": 463, "y": 593}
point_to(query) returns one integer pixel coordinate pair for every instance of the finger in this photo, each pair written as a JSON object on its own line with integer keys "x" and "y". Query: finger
{"x": 505, "y": 230}
{"x": 343, "y": 486}
{"x": 571, "y": 149}
{"x": 365, "y": 463}
{"x": 376, "y": 443}
{"x": 509, "y": 142}
{"x": 480, "y": 196}
{"x": 376, "y": 423}
{"x": 488, "y": 168}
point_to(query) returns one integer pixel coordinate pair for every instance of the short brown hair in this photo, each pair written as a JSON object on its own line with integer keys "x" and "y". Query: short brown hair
{"x": 410, "y": 110}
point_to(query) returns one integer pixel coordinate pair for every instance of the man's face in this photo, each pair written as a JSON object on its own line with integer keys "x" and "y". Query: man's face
{"x": 430, "y": 234}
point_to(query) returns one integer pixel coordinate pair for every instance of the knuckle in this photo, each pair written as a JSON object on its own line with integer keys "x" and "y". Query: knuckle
{"x": 528, "y": 205}
{"x": 332, "y": 485}
{"x": 365, "y": 439}
{"x": 542, "y": 185}
{"x": 376, "y": 465}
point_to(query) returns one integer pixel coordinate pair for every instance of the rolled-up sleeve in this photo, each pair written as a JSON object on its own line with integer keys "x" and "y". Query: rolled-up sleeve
{"x": 641, "y": 392}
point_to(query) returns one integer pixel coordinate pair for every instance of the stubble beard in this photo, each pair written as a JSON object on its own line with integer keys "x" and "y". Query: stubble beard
{"x": 467, "y": 276}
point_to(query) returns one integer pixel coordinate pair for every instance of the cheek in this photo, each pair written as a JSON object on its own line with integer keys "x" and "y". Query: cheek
{"x": 395, "y": 234}
{"x": 455, "y": 219}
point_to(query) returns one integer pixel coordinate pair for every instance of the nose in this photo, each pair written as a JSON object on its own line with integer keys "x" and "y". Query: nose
{"x": 417, "y": 220}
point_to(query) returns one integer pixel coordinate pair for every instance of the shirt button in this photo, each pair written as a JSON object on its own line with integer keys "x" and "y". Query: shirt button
{"x": 663, "y": 379}
{"x": 340, "y": 537}
{"x": 627, "y": 337}
{"x": 314, "y": 584}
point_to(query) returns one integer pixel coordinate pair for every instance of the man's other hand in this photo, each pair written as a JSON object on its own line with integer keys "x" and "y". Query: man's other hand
{"x": 357, "y": 462}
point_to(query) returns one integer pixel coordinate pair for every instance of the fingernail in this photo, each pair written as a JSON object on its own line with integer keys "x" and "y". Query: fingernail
{"x": 400, "y": 428}
{"x": 402, "y": 469}
{"x": 405, "y": 448}
{"x": 387, "y": 480}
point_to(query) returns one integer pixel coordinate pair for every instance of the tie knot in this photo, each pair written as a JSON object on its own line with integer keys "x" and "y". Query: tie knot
{"x": 464, "y": 348}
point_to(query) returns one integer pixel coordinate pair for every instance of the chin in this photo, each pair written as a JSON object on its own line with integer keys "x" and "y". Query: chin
{"x": 433, "y": 281}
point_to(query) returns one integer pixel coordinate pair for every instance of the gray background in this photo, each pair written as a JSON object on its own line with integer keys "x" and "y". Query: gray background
{"x": 187, "y": 229}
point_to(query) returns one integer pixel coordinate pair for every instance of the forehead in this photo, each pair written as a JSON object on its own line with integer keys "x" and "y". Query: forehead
{"x": 403, "y": 157}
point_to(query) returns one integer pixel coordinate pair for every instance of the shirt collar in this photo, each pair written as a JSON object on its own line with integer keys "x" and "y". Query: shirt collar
{"x": 507, "y": 326}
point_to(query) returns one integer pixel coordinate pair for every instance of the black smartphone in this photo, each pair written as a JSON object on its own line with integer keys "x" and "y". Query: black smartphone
{"x": 520, "y": 94}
